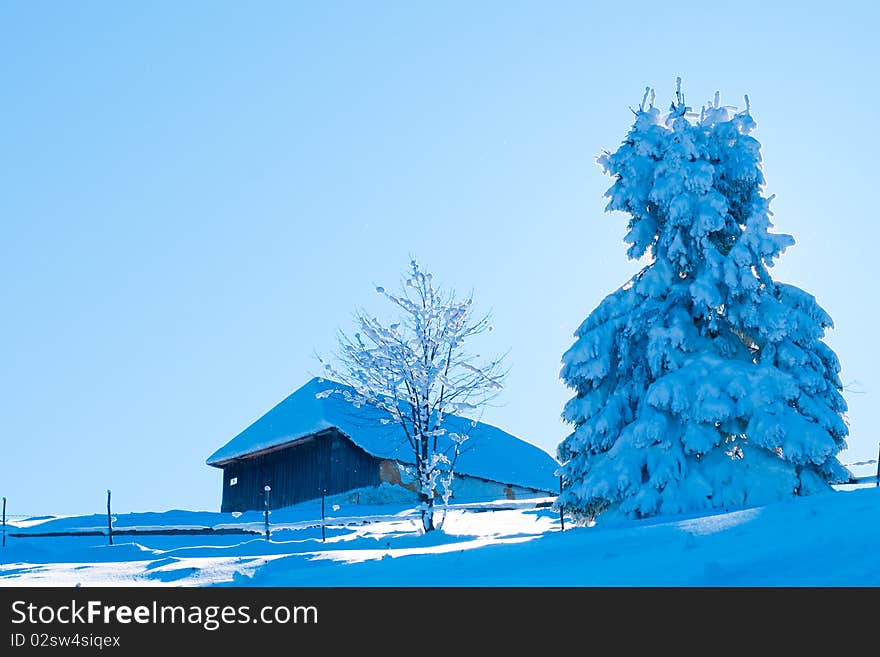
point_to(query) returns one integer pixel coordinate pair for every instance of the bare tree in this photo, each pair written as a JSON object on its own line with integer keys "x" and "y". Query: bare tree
{"x": 417, "y": 373}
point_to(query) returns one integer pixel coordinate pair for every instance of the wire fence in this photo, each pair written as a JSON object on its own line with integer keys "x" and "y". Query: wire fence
{"x": 248, "y": 528}
{"x": 865, "y": 479}
{"x": 256, "y": 524}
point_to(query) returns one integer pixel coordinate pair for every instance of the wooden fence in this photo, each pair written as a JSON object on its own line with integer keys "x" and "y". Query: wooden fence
{"x": 323, "y": 523}
{"x": 258, "y": 529}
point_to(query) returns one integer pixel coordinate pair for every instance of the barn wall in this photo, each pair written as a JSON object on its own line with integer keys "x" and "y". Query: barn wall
{"x": 329, "y": 463}
{"x": 464, "y": 487}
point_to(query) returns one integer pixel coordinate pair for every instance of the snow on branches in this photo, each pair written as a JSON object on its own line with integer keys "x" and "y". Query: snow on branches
{"x": 416, "y": 372}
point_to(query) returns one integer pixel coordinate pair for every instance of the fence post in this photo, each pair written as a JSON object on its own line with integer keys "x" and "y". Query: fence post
{"x": 109, "y": 519}
{"x": 266, "y": 490}
{"x": 561, "y": 512}
{"x": 4, "y": 522}
{"x": 323, "y": 535}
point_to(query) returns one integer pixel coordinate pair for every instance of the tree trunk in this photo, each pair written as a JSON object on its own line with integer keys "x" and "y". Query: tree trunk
{"x": 427, "y": 504}
{"x": 426, "y": 497}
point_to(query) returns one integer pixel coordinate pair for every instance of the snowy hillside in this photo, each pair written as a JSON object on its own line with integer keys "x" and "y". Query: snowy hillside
{"x": 829, "y": 539}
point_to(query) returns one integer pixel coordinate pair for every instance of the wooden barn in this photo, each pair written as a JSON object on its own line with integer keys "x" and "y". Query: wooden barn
{"x": 307, "y": 446}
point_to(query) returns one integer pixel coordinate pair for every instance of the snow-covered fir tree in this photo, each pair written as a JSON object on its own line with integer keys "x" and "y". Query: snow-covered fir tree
{"x": 702, "y": 382}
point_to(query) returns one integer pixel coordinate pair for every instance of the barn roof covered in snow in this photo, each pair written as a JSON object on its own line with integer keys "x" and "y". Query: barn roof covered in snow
{"x": 489, "y": 452}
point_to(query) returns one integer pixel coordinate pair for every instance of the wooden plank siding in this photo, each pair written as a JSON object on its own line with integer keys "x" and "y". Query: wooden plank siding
{"x": 327, "y": 462}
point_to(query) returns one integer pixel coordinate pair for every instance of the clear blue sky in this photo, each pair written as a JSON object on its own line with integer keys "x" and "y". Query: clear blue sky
{"x": 196, "y": 195}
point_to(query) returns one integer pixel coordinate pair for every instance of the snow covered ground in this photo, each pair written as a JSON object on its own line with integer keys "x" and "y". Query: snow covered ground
{"x": 830, "y": 539}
